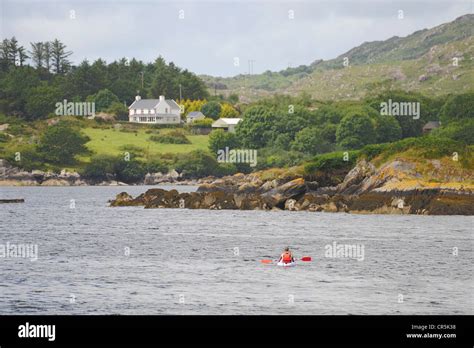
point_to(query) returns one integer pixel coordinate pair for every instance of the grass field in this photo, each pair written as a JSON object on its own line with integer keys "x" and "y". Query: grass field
{"x": 112, "y": 141}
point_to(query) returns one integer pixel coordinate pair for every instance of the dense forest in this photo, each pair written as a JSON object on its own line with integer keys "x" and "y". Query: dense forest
{"x": 33, "y": 80}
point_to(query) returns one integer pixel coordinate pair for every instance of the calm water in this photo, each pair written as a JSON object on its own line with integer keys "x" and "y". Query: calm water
{"x": 93, "y": 259}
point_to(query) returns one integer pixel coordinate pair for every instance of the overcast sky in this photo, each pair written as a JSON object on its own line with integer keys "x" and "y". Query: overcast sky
{"x": 213, "y": 33}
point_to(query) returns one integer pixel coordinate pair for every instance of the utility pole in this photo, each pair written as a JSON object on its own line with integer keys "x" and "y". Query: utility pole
{"x": 251, "y": 61}
{"x": 142, "y": 73}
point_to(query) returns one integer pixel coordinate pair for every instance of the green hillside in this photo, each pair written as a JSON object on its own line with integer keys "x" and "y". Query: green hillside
{"x": 108, "y": 141}
{"x": 422, "y": 62}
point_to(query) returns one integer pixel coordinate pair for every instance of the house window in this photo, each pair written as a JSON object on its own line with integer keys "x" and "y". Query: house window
{"x": 166, "y": 110}
{"x": 135, "y": 119}
{"x": 139, "y": 111}
{"x": 152, "y": 111}
{"x": 132, "y": 111}
{"x": 145, "y": 111}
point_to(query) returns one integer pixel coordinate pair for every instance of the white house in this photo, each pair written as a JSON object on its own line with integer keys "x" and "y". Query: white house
{"x": 194, "y": 116}
{"x": 156, "y": 111}
{"x": 227, "y": 124}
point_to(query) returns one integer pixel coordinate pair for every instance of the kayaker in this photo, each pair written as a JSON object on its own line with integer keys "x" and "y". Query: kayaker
{"x": 287, "y": 256}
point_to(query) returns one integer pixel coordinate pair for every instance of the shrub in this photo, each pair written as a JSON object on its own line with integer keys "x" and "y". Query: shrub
{"x": 373, "y": 150}
{"x": 202, "y": 123}
{"x": 462, "y": 131}
{"x": 427, "y": 147}
{"x": 270, "y": 158}
{"x": 129, "y": 171}
{"x": 332, "y": 161}
{"x": 25, "y": 157}
{"x": 155, "y": 166}
{"x": 457, "y": 107}
{"x": 4, "y": 138}
{"x": 219, "y": 140}
{"x": 99, "y": 168}
{"x": 119, "y": 110}
{"x": 173, "y": 137}
{"x": 197, "y": 164}
{"x": 134, "y": 150}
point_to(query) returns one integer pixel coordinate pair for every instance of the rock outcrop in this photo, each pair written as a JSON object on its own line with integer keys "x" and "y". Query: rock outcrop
{"x": 365, "y": 189}
{"x": 10, "y": 175}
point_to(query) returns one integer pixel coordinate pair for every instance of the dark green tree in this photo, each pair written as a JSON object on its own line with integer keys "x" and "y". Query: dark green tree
{"x": 119, "y": 110}
{"x": 355, "y": 131}
{"x": 100, "y": 168}
{"x": 41, "y": 101}
{"x": 129, "y": 171}
{"x": 197, "y": 164}
{"x": 219, "y": 140}
{"x": 211, "y": 109}
{"x": 388, "y": 129}
{"x": 15, "y": 88}
{"x": 311, "y": 141}
{"x": 254, "y": 131}
{"x": 457, "y": 107}
{"x": 59, "y": 57}
{"x": 103, "y": 99}
{"x": 60, "y": 144}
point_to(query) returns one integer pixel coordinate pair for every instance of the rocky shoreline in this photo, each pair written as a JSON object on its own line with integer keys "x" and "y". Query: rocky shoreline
{"x": 13, "y": 176}
{"x": 394, "y": 188}
{"x": 364, "y": 189}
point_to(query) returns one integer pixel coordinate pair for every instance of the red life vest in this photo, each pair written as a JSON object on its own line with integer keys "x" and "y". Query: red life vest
{"x": 286, "y": 257}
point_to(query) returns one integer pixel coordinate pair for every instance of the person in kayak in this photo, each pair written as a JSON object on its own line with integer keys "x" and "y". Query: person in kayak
{"x": 287, "y": 256}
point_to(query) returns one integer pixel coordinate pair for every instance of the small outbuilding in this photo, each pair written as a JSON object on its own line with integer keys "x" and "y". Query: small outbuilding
{"x": 430, "y": 126}
{"x": 194, "y": 116}
{"x": 227, "y": 124}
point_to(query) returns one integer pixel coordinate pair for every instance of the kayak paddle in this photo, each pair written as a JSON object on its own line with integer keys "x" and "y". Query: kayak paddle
{"x": 304, "y": 258}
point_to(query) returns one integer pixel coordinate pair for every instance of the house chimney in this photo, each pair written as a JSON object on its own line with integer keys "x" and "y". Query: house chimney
{"x": 162, "y": 97}
{"x": 137, "y": 98}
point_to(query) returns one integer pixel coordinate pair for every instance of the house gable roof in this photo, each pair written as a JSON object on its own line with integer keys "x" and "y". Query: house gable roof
{"x": 153, "y": 103}
{"x": 172, "y": 104}
{"x": 193, "y": 114}
{"x": 144, "y": 104}
{"x": 225, "y": 122}
{"x": 432, "y": 125}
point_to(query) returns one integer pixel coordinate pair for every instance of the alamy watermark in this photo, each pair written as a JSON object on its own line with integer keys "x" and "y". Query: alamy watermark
{"x": 237, "y": 156}
{"x": 28, "y": 330}
{"x": 350, "y": 251}
{"x": 66, "y": 108}
{"x": 394, "y": 108}
{"x": 25, "y": 251}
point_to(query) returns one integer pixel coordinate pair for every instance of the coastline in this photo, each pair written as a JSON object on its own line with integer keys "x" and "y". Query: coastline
{"x": 396, "y": 187}
{"x": 365, "y": 189}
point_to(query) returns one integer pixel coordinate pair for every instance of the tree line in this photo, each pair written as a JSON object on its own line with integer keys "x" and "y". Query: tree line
{"x": 32, "y": 81}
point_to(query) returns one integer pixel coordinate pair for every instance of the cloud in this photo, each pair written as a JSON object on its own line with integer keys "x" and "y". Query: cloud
{"x": 212, "y": 33}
